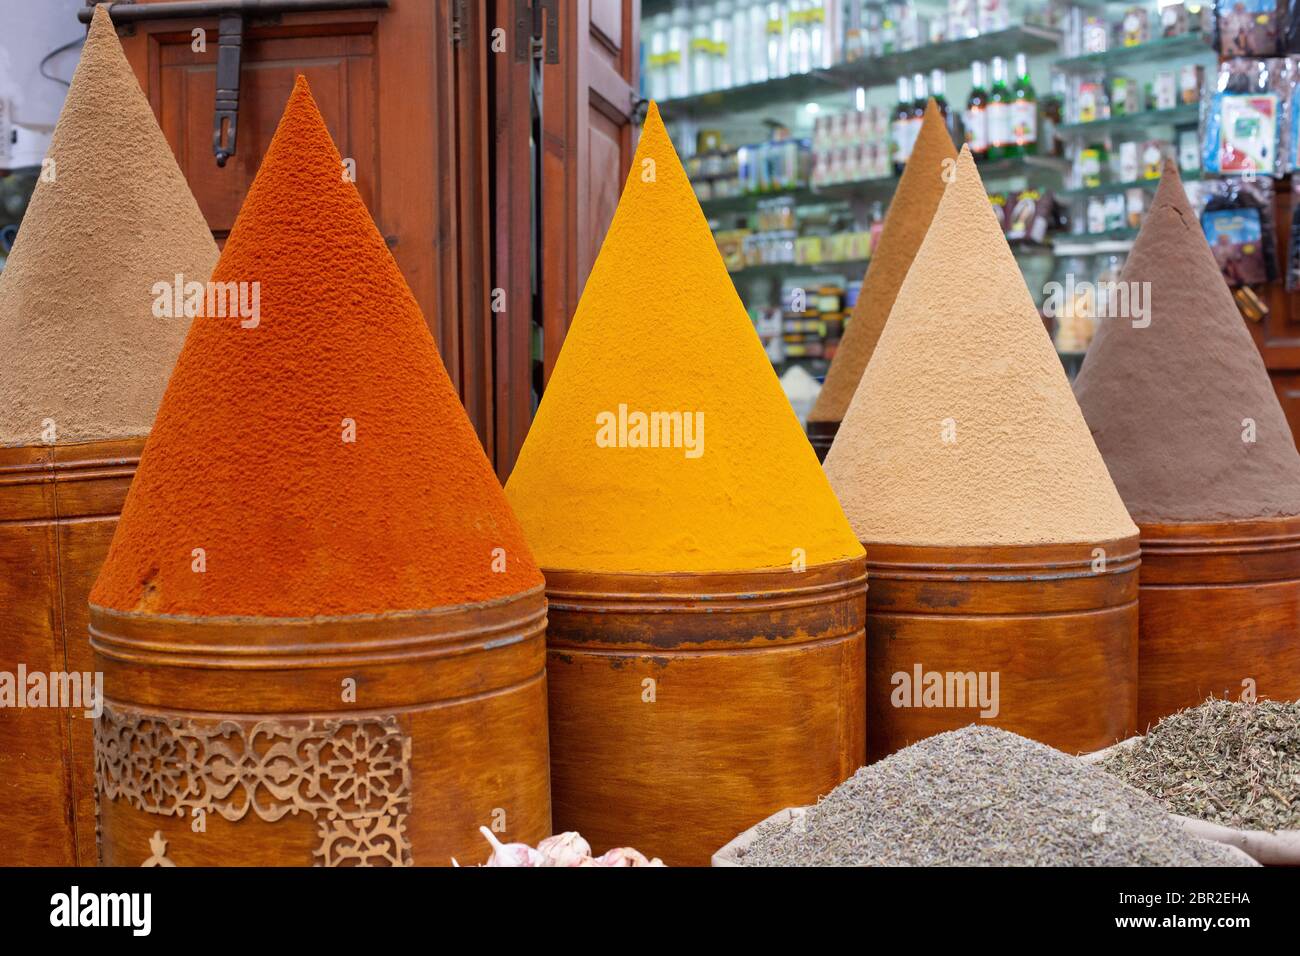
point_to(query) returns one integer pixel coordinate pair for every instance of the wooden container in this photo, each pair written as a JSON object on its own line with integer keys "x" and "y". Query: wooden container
{"x": 687, "y": 707}
{"x": 58, "y": 507}
{"x": 1058, "y": 630}
{"x": 821, "y": 435}
{"x": 367, "y": 740}
{"x": 1220, "y": 605}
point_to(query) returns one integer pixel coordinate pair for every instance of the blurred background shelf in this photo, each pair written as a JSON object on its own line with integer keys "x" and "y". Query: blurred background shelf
{"x": 1187, "y": 45}
{"x": 1135, "y": 122}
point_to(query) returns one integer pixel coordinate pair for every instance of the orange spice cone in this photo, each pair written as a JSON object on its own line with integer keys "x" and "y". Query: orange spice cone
{"x": 88, "y": 342}
{"x": 316, "y": 556}
{"x": 655, "y": 487}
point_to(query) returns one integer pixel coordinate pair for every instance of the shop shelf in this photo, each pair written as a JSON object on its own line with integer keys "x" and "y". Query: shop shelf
{"x": 868, "y": 71}
{"x": 853, "y": 269}
{"x": 749, "y": 201}
{"x": 739, "y": 99}
{"x": 947, "y": 56}
{"x": 867, "y": 190}
{"x": 1163, "y": 48}
{"x": 1185, "y": 115}
{"x": 1188, "y": 176}
{"x": 1094, "y": 244}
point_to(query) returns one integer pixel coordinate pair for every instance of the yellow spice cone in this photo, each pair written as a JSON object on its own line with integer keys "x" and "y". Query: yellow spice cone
{"x": 660, "y": 329}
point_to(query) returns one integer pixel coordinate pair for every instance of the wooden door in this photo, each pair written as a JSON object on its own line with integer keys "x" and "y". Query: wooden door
{"x": 404, "y": 92}
{"x": 588, "y": 99}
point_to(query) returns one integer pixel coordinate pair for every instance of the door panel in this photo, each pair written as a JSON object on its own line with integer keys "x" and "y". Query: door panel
{"x": 588, "y": 141}
{"x": 405, "y": 95}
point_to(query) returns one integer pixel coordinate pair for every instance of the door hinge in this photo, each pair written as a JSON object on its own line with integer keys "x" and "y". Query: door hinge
{"x": 537, "y": 30}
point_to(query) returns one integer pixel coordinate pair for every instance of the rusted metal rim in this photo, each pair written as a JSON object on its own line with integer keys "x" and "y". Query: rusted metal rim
{"x": 1251, "y": 535}
{"x": 256, "y": 643}
{"x": 24, "y": 464}
{"x": 1051, "y": 562}
{"x": 704, "y": 593}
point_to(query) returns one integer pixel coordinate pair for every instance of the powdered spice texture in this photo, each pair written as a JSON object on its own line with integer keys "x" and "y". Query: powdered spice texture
{"x": 963, "y": 430}
{"x": 110, "y": 217}
{"x": 659, "y": 328}
{"x": 1183, "y": 409}
{"x": 910, "y": 211}
{"x": 249, "y": 458}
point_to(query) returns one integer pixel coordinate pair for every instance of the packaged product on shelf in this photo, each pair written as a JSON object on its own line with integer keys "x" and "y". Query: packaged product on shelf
{"x": 999, "y": 203}
{"x": 1091, "y": 101}
{"x": 1129, "y": 164}
{"x": 1189, "y": 151}
{"x": 1135, "y": 27}
{"x": 1173, "y": 20}
{"x": 1166, "y": 90}
{"x": 1095, "y": 36}
{"x": 1135, "y": 206}
{"x": 1096, "y": 215}
{"x": 963, "y": 19}
{"x": 1089, "y": 165}
{"x": 1247, "y": 27}
{"x": 1241, "y": 125}
{"x": 1125, "y": 96}
{"x": 1290, "y": 72}
{"x": 1116, "y": 213}
{"x": 1293, "y": 252}
{"x": 1031, "y": 216}
{"x": 1154, "y": 153}
{"x": 993, "y": 16}
{"x": 1238, "y": 224}
{"x": 1191, "y": 80}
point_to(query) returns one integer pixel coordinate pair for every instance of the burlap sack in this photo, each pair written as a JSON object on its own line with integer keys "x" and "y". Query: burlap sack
{"x": 1269, "y": 848}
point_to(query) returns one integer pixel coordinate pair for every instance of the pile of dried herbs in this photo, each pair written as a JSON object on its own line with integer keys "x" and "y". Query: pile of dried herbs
{"x": 1230, "y": 762}
{"x": 983, "y": 797}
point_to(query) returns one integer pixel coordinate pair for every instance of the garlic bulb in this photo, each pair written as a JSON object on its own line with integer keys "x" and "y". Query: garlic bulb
{"x": 626, "y": 856}
{"x": 510, "y": 854}
{"x": 565, "y": 849}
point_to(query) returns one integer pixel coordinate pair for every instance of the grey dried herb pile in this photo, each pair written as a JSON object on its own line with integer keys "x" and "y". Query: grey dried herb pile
{"x": 983, "y": 797}
{"x": 1232, "y": 763}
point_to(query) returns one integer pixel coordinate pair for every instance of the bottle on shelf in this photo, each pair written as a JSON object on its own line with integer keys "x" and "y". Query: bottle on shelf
{"x": 799, "y": 40}
{"x": 756, "y": 32}
{"x": 976, "y": 118}
{"x": 939, "y": 92}
{"x": 720, "y": 51}
{"x": 778, "y": 51}
{"x": 678, "y": 54}
{"x": 901, "y": 127}
{"x": 702, "y": 50}
{"x": 739, "y": 53}
{"x": 919, "y": 99}
{"x": 998, "y": 113}
{"x": 1024, "y": 110}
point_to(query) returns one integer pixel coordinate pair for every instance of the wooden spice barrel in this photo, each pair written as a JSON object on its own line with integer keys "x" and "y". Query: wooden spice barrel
{"x": 687, "y": 707}
{"x": 59, "y": 505}
{"x": 1058, "y": 629}
{"x": 821, "y": 435}
{"x": 1220, "y": 606}
{"x": 236, "y": 741}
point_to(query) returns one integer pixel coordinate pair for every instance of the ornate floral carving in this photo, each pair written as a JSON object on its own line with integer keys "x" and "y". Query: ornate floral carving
{"x": 351, "y": 774}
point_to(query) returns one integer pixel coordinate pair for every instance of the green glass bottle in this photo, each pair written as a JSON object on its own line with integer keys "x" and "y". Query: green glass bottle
{"x": 975, "y": 120}
{"x": 1024, "y": 110}
{"x": 1001, "y": 144}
